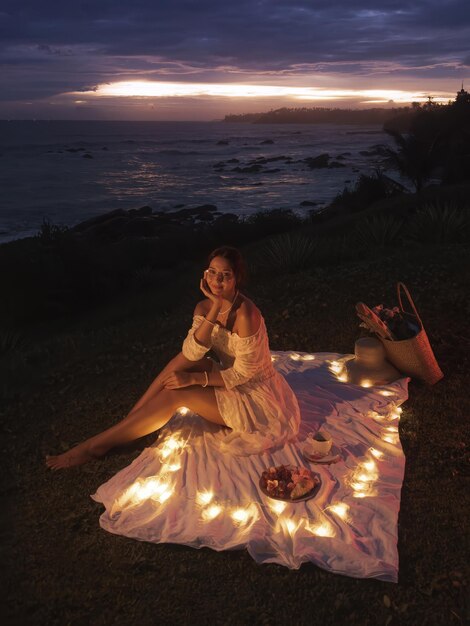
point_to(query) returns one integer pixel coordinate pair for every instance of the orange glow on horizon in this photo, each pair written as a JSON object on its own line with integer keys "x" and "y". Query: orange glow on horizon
{"x": 155, "y": 89}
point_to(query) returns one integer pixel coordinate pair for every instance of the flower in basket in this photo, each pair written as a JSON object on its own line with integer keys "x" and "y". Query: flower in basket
{"x": 386, "y": 314}
{"x": 399, "y": 327}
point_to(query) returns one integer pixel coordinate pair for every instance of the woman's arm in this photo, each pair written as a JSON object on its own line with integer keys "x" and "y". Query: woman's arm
{"x": 214, "y": 379}
{"x": 198, "y": 341}
{"x": 204, "y": 332}
{"x": 245, "y": 366}
{"x": 246, "y": 357}
{"x": 177, "y": 363}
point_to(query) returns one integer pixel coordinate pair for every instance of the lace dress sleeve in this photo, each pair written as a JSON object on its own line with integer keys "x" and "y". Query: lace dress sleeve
{"x": 246, "y": 363}
{"x": 192, "y": 349}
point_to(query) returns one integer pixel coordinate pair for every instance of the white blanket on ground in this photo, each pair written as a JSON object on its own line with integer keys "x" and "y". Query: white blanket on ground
{"x": 184, "y": 490}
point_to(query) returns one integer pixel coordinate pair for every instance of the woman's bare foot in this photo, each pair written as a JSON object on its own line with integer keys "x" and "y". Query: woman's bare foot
{"x": 75, "y": 456}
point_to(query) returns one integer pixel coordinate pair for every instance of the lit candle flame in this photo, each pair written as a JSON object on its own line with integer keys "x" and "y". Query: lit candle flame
{"x": 290, "y": 526}
{"x": 171, "y": 467}
{"x": 278, "y": 506}
{"x": 322, "y": 530}
{"x": 164, "y": 496}
{"x": 204, "y": 497}
{"x": 183, "y": 410}
{"x": 151, "y": 488}
{"x": 170, "y": 446}
{"x": 240, "y": 515}
{"x": 359, "y": 486}
{"x": 340, "y": 509}
{"x": 211, "y": 512}
{"x": 243, "y": 515}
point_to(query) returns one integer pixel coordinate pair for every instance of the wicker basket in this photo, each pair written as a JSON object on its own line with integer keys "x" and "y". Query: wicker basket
{"x": 414, "y": 357}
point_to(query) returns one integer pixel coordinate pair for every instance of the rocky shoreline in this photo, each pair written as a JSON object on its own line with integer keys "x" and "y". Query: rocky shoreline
{"x": 144, "y": 222}
{"x": 118, "y": 224}
{"x": 321, "y": 161}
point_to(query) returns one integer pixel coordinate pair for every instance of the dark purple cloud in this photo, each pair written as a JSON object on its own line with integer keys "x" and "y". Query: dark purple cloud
{"x": 49, "y": 47}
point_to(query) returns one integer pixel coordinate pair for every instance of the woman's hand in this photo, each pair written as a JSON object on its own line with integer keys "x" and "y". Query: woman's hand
{"x": 177, "y": 380}
{"x": 216, "y": 300}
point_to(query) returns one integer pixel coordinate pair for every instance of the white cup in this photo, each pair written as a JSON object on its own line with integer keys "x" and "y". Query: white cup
{"x": 319, "y": 443}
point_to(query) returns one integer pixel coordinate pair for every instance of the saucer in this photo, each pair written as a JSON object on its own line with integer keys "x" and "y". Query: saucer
{"x": 333, "y": 456}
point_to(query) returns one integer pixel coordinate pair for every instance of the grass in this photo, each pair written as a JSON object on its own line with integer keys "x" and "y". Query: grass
{"x": 68, "y": 380}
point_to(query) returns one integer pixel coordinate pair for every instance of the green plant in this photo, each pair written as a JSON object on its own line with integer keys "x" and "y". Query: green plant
{"x": 440, "y": 223}
{"x": 50, "y": 233}
{"x": 367, "y": 190}
{"x": 413, "y": 158}
{"x": 378, "y": 231}
{"x": 272, "y": 222}
{"x": 289, "y": 252}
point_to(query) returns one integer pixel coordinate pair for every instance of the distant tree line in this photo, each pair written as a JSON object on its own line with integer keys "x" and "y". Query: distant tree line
{"x": 319, "y": 115}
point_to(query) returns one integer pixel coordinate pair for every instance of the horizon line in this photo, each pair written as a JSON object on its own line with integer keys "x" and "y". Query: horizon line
{"x": 40, "y": 119}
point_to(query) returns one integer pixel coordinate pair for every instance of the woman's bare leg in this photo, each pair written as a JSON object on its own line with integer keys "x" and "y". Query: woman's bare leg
{"x": 143, "y": 421}
{"x": 177, "y": 364}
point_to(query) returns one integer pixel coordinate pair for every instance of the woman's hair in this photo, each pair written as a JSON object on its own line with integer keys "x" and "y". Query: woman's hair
{"x": 234, "y": 257}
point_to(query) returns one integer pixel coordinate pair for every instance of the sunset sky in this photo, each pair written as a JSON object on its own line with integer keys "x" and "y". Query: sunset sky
{"x": 202, "y": 59}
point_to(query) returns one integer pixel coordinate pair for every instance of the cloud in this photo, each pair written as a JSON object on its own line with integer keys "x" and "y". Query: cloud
{"x": 52, "y": 47}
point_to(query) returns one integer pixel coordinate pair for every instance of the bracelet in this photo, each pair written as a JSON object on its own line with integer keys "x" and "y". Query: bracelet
{"x": 209, "y": 321}
{"x": 207, "y": 379}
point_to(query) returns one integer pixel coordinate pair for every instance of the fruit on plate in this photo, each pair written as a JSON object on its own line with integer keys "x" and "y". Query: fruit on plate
{"x": 288, "y": 482}
{"x": 304, "y": 486}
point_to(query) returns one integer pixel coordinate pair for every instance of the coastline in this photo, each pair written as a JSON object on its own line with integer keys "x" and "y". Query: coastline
{"x": 81, "y": 170}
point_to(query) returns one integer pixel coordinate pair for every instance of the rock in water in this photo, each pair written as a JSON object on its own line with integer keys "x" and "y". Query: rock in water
{"x": 321, "y": 160}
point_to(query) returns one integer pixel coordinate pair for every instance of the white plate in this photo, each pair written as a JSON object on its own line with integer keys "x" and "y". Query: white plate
{"x": 332, "y": 457}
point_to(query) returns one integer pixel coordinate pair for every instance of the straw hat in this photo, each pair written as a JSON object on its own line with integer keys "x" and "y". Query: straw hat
{"x": 369, "y": 364}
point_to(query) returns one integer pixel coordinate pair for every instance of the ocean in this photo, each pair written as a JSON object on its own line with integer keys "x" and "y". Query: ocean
{"x": 69, "y": 171}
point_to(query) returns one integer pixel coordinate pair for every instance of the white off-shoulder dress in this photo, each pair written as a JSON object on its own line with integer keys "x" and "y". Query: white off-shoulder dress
{"x": 257, "y": 403}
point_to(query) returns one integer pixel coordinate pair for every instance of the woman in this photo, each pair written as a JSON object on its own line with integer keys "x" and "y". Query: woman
{"x": 243, "y": 391}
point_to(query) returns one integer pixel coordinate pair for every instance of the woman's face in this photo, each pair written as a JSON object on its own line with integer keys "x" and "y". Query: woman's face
{"x": 220, "y": 277}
